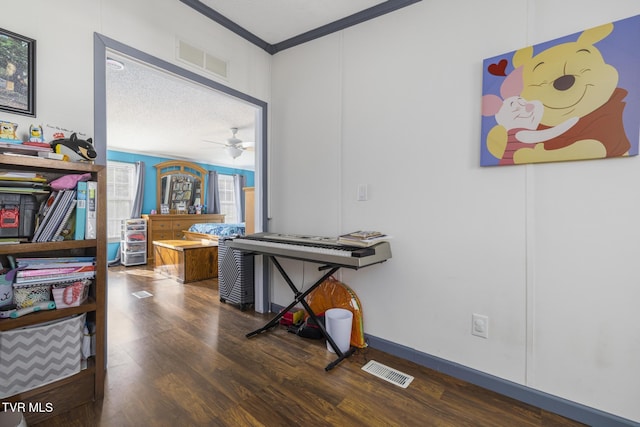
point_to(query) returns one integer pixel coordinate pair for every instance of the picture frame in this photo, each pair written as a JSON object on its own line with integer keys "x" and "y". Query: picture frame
{"x": 17, "y": 73}
{"x": 164, "y": 209}
{"x": 576, "y": 97}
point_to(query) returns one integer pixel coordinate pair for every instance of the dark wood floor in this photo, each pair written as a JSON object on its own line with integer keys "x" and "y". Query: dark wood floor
{"x": 181, "y": 358}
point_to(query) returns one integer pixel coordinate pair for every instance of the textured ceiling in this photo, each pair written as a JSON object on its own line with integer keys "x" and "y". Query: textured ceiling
{"x": 153, "y": 112}
{"x": 156, "y": 113}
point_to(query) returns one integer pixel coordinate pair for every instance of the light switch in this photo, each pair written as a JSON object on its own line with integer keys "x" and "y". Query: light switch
{"x": 363, "y": 193}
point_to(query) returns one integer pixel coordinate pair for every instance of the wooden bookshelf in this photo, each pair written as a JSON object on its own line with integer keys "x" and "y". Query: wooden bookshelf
{"x": 88, "y": 384}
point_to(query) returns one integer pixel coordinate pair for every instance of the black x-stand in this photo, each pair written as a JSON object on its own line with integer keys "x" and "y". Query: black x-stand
{"x": 300, "y": 298}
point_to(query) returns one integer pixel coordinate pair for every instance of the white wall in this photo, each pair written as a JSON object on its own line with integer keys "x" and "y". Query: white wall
{"x": 547, "y": 251}
{"x": 64, "y": 30}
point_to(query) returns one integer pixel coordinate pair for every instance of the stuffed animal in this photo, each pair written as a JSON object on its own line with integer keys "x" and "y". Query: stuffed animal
{"x": 8, "y": 132}
{"x": 75, "y": 150}
{"x": 36, "y": 134}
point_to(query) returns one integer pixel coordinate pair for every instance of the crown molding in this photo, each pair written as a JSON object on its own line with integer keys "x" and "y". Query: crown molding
{"x": 349, "y": 21}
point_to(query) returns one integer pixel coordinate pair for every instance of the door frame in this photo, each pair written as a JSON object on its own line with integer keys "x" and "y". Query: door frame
{"x": 101, "y": 46}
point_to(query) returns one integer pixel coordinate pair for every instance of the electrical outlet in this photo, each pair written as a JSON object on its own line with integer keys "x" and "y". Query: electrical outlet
{"x": 480, "y": 325}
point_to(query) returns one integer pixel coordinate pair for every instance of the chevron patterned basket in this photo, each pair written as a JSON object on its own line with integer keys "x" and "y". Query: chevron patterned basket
{"x": 35, "y": 356}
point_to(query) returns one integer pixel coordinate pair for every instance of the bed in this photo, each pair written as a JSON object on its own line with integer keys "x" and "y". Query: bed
{"x": 213, "y": 231}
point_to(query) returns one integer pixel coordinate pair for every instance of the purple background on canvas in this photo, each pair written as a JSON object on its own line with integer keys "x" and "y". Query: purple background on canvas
{"x": 618, "y": 49}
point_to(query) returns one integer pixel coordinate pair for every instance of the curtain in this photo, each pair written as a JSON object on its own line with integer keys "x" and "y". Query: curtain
{"x": 239, "y": 182}
{"x": 136, "y": 209}
{"x": 213, "y": 196}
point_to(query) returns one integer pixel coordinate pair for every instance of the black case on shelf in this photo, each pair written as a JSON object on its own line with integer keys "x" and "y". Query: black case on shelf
{"x": 17, "y": 214}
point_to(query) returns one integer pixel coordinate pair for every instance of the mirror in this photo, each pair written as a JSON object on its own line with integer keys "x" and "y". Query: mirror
{"x": 180, "y": 186}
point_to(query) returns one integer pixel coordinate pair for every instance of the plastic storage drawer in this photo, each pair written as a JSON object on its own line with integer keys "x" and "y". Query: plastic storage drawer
{"x": 134, "y": 259}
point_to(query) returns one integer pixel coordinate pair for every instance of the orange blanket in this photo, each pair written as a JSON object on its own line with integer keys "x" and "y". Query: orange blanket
{"x": 334, "y": 294}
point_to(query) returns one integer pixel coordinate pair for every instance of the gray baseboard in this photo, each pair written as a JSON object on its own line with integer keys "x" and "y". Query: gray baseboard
{"x": 548, "y": 402}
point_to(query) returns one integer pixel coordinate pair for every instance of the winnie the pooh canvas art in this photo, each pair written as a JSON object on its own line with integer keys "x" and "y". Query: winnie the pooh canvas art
{"x": 577, "y": 98}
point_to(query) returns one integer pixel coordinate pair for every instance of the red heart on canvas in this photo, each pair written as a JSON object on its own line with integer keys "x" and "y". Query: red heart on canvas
{"x": 499, "y": 68}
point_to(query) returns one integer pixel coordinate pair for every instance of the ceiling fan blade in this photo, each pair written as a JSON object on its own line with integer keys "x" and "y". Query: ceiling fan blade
{"x": 244, "y": 146}
{"x": 224, "y": 144}
{"x": 234, "y": 145}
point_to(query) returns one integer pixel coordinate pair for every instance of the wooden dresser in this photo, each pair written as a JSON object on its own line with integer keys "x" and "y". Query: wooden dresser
{"x": 170, "y": 227}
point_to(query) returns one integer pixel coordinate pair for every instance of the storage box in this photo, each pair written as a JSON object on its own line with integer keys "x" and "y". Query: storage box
{"x": 70, "y": 294}
{"x": 31, "y": 294}
{"x": 17, "y": 215}
{"x": 134, "y": 247}
{"x": 38, "y": 355}
{"x": 134, "y": 259}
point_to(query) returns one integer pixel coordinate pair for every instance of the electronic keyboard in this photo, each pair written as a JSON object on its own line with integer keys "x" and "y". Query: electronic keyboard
{"x": 323, "y": 250}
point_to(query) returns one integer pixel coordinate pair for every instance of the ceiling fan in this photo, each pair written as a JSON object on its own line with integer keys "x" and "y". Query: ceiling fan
{"x": 234, "y": 145}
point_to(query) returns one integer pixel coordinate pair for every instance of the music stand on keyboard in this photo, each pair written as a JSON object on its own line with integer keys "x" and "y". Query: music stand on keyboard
{"x": 246, "y": 245}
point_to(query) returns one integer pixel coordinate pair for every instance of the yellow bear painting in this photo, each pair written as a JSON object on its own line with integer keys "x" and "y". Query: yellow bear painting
{"x": 575, "y": 86}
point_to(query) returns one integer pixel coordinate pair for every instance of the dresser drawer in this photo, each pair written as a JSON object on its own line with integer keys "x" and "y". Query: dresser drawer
{"x": 160, "y": 225}
{"x": 162, "y": 235}
{"x": 179, "y": 224}
{"x": 182, "y": 224}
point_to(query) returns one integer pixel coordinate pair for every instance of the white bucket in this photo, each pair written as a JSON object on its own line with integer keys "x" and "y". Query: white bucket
{"x": 338, "y": 324}
{"x": 12, "y": 419}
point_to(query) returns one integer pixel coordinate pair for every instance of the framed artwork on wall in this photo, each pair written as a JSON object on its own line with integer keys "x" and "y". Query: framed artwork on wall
{"x": 572, "y": 98}
{"x": 17, "y": 73}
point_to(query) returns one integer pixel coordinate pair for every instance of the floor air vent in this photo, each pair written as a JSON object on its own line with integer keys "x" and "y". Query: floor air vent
{"x": 388, "y": 374}
{"x": 142, "y": 294}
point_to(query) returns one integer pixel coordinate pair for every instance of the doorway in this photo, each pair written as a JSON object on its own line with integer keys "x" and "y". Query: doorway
{"x": 104, "y": 46}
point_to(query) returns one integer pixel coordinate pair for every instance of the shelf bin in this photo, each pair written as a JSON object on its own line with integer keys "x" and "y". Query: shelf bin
{"x": 34, "y": 356}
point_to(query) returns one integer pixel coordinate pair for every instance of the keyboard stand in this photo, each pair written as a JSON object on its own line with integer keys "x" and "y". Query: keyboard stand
{"x": 300, "y": 298}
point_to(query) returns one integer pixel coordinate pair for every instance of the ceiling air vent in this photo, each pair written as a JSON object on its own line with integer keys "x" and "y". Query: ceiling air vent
{"x": 201, "y": 59}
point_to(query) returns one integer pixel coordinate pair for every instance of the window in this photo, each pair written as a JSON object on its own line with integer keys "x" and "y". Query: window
{"x": 227, "y": 198}
{"x": 121, "y": 188}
